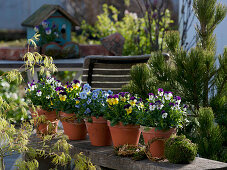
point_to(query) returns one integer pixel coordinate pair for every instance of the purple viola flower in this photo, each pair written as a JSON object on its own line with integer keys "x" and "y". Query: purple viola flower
{"x": 76, "y": 81}
{"x": 159, "y": 104}
{"x": 122, "y": 94}
{"x": 69, "y": 86}
{"x": 151, "y": 96}
{"x": 110, "y": 96}
{"x": 48, "y": 31}
{"x": 87, "y": 111}
{"x": 132, "y": 98}
{"x": 45, "y": 24}
{"x": 63, "y": 93}
{"x": 171, "y": 104}
{"x": 127, "y": 106}
{"x": 160, "y": 90}
{"x": 185, "y": 107}
{"x": 59, "y": 89}
{"x": 116, "y": 96}
{"x": 163, "y": 111}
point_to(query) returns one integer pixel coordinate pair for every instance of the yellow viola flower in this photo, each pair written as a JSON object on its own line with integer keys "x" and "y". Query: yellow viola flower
{"x": 76, "y": 86}
{"x": 62, "y": 97}
{"x": 115, "y": 101}
{"x": 123, "y": 99}
{"x": 132, "y": 102}
{"x": 77, "y": 101}
{"x": 51, "y": 103}
{"x": 128, "y": 110}
{"x": 109, "y": 101}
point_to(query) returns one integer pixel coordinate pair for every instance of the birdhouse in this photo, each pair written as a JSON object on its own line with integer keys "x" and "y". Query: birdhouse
{"x": 54, "y": 25}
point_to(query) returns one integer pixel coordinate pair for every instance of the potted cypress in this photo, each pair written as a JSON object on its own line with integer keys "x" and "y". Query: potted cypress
{"x": 162, "y": 116}
{"x": 93, "y": 106}
{"x": 122, "y": 113}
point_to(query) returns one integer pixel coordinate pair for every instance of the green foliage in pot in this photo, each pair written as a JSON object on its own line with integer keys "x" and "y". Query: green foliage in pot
{"x": 124, "y": 108}
{"x": 93, "y": 102}
{"x": 163, "y": 111}
{"x": 42, "y": 93}
{"x": 179, "y": 149}
{"x": 67, "y": 97}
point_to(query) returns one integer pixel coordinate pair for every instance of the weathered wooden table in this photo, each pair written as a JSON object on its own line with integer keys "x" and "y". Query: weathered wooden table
{"x": 104, "y": 157}
{"x": 61, "y": 64}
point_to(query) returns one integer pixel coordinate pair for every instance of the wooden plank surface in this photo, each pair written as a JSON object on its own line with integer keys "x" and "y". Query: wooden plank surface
{"x": 104, "y": 156}
{"x": 108, "y": 72}
{"x": 107, "y": 79}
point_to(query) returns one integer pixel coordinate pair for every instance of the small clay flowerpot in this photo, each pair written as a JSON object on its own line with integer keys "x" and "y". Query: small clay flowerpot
{"x": 73, "y": 129}
{"x": 98, "y": 131}
{"x": 158, "y": 146}
{"x": 51, "y": 116}
{"x": 124, "y": 134}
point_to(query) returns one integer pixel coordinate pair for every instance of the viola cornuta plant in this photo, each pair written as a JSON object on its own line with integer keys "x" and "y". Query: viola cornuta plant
{"x": 67, "y": 98}
{"x": 124, "y": 108}
{"x": 42, "y": 93}
{"x": 93, "y": 102}
{"x": 163, "y": 111}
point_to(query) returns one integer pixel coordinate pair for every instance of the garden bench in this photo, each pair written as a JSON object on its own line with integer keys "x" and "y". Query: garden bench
{"x": 109, "y": 72}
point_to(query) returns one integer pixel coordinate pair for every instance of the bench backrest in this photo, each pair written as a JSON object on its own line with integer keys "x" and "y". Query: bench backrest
{"x": 109, "y": 72}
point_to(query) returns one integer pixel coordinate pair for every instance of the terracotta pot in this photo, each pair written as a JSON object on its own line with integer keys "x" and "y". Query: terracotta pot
{"x": 73, "y": 129}
{"x": 98, "y": 131}
{"x": 50, "y": 116}
{"x": 158, "y": 146}
{"x": 124, "y": 134}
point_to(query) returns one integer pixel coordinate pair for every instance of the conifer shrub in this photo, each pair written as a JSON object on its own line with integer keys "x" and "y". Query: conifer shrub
{"x": 179, "y": 149}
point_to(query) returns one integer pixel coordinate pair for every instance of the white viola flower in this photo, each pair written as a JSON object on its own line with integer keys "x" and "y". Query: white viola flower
{"x": 160, "y": 92}
{"x": 177, "y": 99}
{"x": 168, "y": 95}
{"x": 48, "y": 97}
{"x": 151, "y": 106}
{"x": 151, "y": 96}
{"x": 22, "y": 119}
{"x": 48, "y": 31}
{"x": 45, "y": 24}
{"x": 39, "y": 93}
{"x": 36, "y": 28}
{"x": 164, "y": 114}
{"x": 32, "y": 88}
{"x": 159, "y": 104}
{"x": 22, "y": 99}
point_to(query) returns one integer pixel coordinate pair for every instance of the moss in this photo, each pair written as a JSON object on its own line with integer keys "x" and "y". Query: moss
{"x": 179, "y": 149}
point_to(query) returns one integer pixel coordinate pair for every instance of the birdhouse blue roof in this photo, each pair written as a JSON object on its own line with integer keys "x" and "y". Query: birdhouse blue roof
{"x": 55, "y": 17}
{"x": 44, "y": 12}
